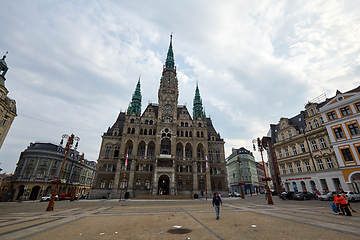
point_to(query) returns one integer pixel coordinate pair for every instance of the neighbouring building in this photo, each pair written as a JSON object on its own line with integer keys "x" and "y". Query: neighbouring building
{"x": 242, "y": 171}
{"x": 261, "y": 175}
{"x": 341, "y": 115}
{"x": 40, "y": 164}
{"x": 304, "y": 153}
{"x": 165, "y": 144}
{"x": 7, "y": 105}
{"x": 5, "y": 187}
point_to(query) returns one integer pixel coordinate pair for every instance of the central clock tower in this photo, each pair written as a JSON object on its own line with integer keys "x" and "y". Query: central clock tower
{"x": 168, "y": 92}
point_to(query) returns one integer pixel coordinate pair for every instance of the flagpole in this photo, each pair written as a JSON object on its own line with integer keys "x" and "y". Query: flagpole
{"x": 123, "y": 178}
{"x": 206, "y": 167}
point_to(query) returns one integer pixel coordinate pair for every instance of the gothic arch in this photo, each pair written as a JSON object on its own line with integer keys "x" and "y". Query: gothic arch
{"x": 179, "y": 150}
{"x": 129, "y": 147}
{"x": 188, "y": 150}
{"x": 200, "y": 151}
{"x": 141, "y": 149}
{"x": 151, "y": 149}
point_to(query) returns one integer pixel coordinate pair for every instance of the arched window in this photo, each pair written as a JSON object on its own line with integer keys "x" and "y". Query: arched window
{"x": 177, "y": 133}
{"x": 150, "y": 131}
{"x": 146, "y": 122}
{"x": 186, "y": 124}
{"x": 190, "y": 134}
{"x": 151, "y": 122}
{"x": 202, "y": 134}
{"x": 141, "y": 131}
{"x": 132, "y": 120}
{"x": 182, "y": 133}
{"x": 133, "y": 131}
{"x": 145, "y": 131}
{"x": 129, "y": 130}
{"x": 186, "y": 134}
{"x": 199, "y": 124}
{"x": 182, "y": 124}
{"x": 116, "y": 152}
{"x": 198, "y": 134}
{"x": 107, "y": 151}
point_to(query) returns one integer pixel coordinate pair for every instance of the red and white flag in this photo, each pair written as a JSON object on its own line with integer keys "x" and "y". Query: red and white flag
{"x": 206, "y": 162}
{"x": 126, "y": 160}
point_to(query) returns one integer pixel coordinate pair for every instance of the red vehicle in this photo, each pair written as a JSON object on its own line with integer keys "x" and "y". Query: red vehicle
{"x": 65, "y": 196}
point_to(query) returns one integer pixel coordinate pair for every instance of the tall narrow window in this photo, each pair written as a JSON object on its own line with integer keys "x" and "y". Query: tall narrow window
{"x": 338, "y": 132}
{"x": 294, "y": 150}
{"x": 320, "y": 164}
{"x": 283, "y": 169}
{"x": 316, "y": 123}
{"x": 290, "y": 167}
{"x": 347, "y": 155}
{"x": 329, "y": 163}
{"x": 307, "y": 165}
{"x": 298, "y": 166}
{"x": 314, "y": 145}
{"x": 287, "y": 152}
{"x": 353, "y": 129}
{"x": 322, "y": 143}
{"x": 302, "y": 146}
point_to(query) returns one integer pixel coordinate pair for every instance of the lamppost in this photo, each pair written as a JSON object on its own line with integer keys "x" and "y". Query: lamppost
{"x": 69, "y": 144}
{"x": 241, "y": 184}
{"x": 267, "y": 179}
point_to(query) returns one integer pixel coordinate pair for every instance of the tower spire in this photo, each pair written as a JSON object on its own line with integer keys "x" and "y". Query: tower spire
{"x": 135, "y": 105}
{"x": 198, "y": 111}
{"x": 170, "y": 56}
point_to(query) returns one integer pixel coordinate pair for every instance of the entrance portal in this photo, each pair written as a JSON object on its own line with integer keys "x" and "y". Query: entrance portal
{"x": 164, "y": 185}
{"x": 34, "y": 193}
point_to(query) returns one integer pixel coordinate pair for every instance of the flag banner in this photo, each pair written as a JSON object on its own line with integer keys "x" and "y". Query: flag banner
{"x": 126, "y": 160}
{"x": 206, "y": 161}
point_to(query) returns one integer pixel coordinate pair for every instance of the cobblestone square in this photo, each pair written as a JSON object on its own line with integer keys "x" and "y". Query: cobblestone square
{"x": 251, "y": 218}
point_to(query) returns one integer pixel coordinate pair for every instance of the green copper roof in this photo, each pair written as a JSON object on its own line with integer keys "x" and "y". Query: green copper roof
{"x": 135, "y": 105}
{"x": 198, "y": 108}
{"x": 170, "y": 56}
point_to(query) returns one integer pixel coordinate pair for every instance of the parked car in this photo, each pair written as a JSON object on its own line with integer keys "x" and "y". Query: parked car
{"x": 48, "y": 197}
{"x": 287, "y": 195}
{"x": 351, "y": 196}
{"x": 64, "y": 196}
{"x": 237, "y": 194}
{"x": 303, "y": 196}
{"x": 327, "y": 196}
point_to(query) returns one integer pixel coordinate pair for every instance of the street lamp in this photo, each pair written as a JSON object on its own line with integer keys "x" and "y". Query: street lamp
{"x": 70, "y": 140}
{"x": 267, "y": 179}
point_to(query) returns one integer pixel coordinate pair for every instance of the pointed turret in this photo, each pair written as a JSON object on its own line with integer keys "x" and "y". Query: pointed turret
{"x": 170, "y": 56}
{"x": 198, "y": 111}
{"x": 135, "y": 105}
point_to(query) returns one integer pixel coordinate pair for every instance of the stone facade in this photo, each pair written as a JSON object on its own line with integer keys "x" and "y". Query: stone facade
{"x": 241, "y": 168}
{"x": 40, "y": 163}
{"x": 342, "y": 117}
{"x": 304, "y": 153}
{"x": 165, "y": 145}
{"x": 7, "y": 105}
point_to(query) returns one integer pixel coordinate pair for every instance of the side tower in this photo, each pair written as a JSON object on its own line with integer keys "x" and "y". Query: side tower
{"x": 7, "y": 105}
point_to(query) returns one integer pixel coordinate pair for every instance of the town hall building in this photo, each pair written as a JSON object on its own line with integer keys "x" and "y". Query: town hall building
{"x": 161, "y": 150}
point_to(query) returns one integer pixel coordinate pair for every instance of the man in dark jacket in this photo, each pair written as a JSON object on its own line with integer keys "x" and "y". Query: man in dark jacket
{"x": 216, "y": 202}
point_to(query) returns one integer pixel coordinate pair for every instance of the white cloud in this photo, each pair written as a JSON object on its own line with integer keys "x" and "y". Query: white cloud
{"x": 254, "y": 61}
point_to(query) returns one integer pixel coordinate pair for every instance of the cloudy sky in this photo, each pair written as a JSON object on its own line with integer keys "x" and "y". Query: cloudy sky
{"x": 73, "y": 65}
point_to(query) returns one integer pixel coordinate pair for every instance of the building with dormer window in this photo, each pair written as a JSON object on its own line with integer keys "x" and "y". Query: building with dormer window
{"x": 341, "y": 115}
{"x": 165, "y": 147}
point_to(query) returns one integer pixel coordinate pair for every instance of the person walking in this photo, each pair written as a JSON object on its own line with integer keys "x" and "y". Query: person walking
{"x": 216, "y": 202}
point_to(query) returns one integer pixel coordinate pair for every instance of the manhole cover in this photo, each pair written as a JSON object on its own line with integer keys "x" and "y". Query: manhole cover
{"x": 179, "y": 231}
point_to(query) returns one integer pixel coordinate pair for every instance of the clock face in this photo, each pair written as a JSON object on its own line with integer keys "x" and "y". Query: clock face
{"x": 167, "y": 109}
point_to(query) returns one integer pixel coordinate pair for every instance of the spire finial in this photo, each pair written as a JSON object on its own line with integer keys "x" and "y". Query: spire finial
{"x": 170, "y": 56}
{"x": 3, "y": 58}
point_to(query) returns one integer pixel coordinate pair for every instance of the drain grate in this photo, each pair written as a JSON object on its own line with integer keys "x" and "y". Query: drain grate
{"x": 179, "y": 231}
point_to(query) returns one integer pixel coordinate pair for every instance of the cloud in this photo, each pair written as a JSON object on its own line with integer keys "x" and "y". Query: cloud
{"x": 73, "y": 66}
